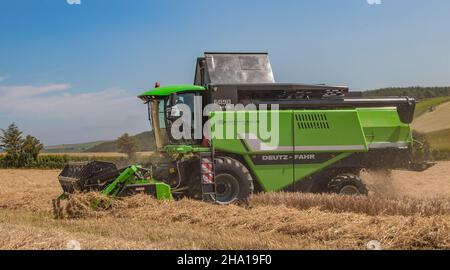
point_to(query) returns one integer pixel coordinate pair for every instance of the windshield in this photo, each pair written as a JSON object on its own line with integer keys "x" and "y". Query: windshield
{"x": 187, "y": 99}
{"x": 164, "y": 112}
{"x": 173, "y": 113}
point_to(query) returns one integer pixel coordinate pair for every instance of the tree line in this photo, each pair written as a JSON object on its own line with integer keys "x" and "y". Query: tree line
{"x": 415, "y": 92}
{"x": 19, "y": 151}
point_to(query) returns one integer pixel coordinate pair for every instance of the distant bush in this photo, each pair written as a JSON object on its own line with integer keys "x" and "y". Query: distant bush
{"x": 48, "y": 162}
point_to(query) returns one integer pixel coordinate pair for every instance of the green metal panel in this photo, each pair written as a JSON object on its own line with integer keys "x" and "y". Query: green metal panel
{"x": 113, "y": 188}
{"x": 247, "y": 141}
{"x": 338, "y": 133}
{"x": 325, "y": 131}
{"x": 328, "y": 131}
{"x": 163, "y": 190}
{"x": 271, "y": 177}
{"x": 333, "y": 133}
{"x": 170, "y": 89}
{"x": 383, "y": 126}
{"x": 239, "y": 132}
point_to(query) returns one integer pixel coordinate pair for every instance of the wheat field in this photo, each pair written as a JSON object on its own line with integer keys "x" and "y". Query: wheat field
{"x": 412, "y": 212}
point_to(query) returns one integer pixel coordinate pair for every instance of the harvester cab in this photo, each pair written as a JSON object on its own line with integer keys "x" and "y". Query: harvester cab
{"x": 164, "y": 109}
{"x": 215, "y": 134}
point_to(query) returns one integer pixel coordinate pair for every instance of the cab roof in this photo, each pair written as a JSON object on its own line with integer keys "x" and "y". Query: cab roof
{"x": 169, "y": 89}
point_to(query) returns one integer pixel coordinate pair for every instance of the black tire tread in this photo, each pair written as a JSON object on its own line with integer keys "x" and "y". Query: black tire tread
{"x": 240, "y": 172}
{"x": 341, "y": 180}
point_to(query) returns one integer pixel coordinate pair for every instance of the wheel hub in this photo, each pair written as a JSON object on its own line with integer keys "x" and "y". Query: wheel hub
{"x": 349, "y": 190}
{"x": 227, "y": 188}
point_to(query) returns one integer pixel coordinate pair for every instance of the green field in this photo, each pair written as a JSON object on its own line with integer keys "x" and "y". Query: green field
{"x": 423, "y": 105}
{"x": 440, "y": 140}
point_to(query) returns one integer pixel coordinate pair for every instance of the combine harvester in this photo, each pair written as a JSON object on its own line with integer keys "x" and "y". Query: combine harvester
{"x": 326, "y": 136}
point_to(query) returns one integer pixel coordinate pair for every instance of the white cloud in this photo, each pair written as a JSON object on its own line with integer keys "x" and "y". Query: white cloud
{"x": 374, "y": 2}
{"x": 30, "y": 91}
{"x": 56, "y": 115}
{"x": 74, "y": 2}
{"x": 3, "y": 77}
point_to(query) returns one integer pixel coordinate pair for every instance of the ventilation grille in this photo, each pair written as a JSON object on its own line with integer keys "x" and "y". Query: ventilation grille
{"x": 312, "y": 121}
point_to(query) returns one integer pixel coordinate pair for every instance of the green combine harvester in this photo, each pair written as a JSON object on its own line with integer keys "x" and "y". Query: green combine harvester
{"x": 325, "y": 136}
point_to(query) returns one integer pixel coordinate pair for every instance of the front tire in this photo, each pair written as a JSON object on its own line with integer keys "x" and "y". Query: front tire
{"x": 347, "y": 184}
{"x": 234, "y": 183}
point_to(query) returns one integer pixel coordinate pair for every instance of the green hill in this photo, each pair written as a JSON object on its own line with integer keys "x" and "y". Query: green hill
{"x": 415, "y": 92}
{"x": 145, "y": 142}
{"x": 71, "y": 148}
{"x": 426, "y": 104}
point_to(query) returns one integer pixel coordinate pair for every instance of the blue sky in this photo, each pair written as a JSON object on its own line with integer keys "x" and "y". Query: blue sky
{"x": 70, "y": 73}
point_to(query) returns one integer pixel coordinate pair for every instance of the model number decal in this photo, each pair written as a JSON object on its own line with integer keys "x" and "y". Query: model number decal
{"x": 222, "y": 101}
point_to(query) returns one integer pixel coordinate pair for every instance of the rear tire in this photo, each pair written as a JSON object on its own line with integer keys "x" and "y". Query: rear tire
{"x": 234, "y": 183}
{"x": 347, "y": 184}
